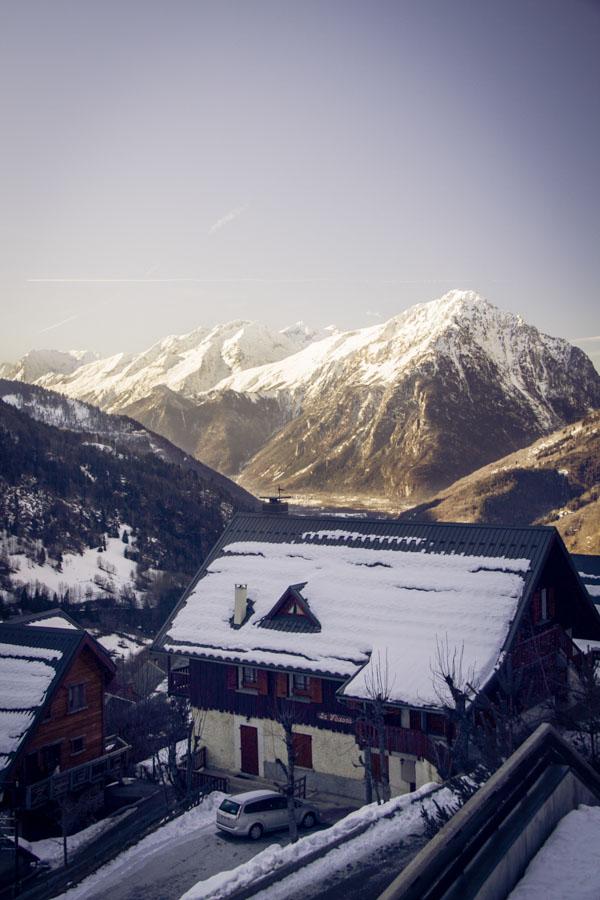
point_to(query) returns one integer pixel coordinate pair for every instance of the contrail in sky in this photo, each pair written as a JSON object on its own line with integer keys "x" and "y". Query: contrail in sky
{"x": 231, "y": 216}
{"x": 58, "y": 324}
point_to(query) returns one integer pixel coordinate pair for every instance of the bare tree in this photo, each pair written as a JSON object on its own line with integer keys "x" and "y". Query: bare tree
{"x": 371, "y": 722}
{"x": 286, "y": 714}
{"x": 456, "y": 690}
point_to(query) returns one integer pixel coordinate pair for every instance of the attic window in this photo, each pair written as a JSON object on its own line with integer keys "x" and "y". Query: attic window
{"x": 293, "y": 609}
{"x": 292, "y": 612}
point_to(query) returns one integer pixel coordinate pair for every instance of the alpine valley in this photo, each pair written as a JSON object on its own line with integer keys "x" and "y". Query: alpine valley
{"x": 382, "y": 417}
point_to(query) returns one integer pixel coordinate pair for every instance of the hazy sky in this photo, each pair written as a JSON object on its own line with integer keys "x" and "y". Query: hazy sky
{"x": 170, "y": 164}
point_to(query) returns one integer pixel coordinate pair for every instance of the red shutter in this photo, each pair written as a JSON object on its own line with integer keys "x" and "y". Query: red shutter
{"x": 262, "y": 682}
{"x": 551, "y": 603}
{"x": 536, "y": 607}
{"x": 303, "y": 750}
{"x": 282, "y": 684}
{"x": 232, "y": 678}
{"x": 415, "y": 719}
{"x": 315, "y": 690}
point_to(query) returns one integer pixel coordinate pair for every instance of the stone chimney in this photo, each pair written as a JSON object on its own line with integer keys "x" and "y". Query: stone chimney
{"x": 241, "y": 604}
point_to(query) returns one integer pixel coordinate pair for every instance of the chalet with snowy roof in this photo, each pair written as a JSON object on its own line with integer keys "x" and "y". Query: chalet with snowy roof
{"x": 52, "y": 737}
{"x": 316, "y": 609}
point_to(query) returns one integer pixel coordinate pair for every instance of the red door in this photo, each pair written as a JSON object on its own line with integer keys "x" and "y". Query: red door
{"x": 249, "y": 746}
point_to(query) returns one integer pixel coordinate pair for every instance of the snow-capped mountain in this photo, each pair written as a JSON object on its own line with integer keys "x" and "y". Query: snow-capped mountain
{"x": 397, "y": 410}
{"x": 38, "y": 363}
{"x": 405, "y": 408}
{"x": 188, "y": 364}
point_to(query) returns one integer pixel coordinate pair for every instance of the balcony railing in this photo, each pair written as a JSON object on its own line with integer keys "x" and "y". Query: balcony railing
{"x": 404, "y": 740}
{"x": 543, "y": 645}
{"x": 110, "y": 764}
{"x": 179, "y": 682}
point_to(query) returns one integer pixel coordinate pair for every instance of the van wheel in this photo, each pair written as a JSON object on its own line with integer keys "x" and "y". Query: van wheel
{"x": 309, "y": 820}
{"x": 255, "y": 832}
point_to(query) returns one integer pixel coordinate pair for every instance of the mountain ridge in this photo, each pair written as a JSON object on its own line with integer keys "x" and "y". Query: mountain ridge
{"x": 397, "y": 410}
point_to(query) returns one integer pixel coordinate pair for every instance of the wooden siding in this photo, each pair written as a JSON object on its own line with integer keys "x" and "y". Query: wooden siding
{"x": 214, "y": 686}
{"x": 62, "y": 726}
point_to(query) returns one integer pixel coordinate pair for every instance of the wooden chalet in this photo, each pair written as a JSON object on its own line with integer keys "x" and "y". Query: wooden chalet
{"x": 324, "y": 611}
{"x": 53, "y": 744}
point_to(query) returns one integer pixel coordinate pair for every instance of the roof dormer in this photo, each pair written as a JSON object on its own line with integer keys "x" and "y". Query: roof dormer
{"x": 292, "y": 612}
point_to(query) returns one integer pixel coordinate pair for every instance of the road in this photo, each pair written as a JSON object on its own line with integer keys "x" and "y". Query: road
{"x": 172, "y": 859}
{"x": 168, "y": 874}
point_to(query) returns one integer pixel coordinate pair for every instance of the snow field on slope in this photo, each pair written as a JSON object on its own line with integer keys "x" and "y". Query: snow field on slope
{"x": 88, "y": 575}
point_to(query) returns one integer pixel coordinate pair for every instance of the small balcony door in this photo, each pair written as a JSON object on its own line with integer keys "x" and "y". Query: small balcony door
{"x": 249, "y": 749}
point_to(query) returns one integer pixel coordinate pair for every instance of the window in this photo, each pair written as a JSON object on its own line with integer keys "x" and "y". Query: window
{"x": 300, "y": 685}
{"x": 77, "y": 745}
{"x": 436, "y": 724}
{"x": 248, "y": 677}
{"x": 303, "y": 750}
{"x": 76, "y": 697}
{"x": 51, "y": 758}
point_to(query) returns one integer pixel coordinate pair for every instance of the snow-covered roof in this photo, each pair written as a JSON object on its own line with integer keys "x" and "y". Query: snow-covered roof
{"x": 588, "y": 567}
{"x": 32, "y": 663}
{"x": 386, "y": 595}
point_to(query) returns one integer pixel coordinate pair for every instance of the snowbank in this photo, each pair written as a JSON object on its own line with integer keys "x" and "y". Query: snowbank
{"x": 373, "y": 826}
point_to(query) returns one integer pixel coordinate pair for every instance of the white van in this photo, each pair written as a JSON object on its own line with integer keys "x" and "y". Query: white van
{"x": 253, "y": 813}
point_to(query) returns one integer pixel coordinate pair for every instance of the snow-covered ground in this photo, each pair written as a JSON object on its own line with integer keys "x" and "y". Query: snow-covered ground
{"x": 392, "y": 821}
{"x": 566, "y": 866}
{"x": 163, "y": 755}
{"x": 199, "y": 818}
{"x": 50, "y": 850}
{"x": 91, "y": 574}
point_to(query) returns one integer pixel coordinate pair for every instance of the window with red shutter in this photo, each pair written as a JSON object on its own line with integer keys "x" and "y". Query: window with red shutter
{"x": 299, "y": 685}
{"x": 303, "y": 750}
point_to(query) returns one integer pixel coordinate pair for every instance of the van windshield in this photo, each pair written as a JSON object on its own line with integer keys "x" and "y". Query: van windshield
{"x": 230, "y": 806}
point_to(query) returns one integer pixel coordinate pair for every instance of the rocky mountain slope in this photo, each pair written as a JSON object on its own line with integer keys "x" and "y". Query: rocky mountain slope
{"x": 554, "y": 481}
{"x": 104, "y": 510}
{"x": 387, "y": 414}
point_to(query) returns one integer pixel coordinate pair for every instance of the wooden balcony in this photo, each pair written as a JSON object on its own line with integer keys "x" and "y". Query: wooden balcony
{"x": 179, "y": 682}
{"x": 404, "y": 740}
{"x": 110, "y": 765}
{"x": 544, "y": 645}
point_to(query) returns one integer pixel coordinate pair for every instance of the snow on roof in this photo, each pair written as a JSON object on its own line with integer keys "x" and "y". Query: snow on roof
{"x": 373, "y": 603}
{"x": 53, "y": 622}
{"x": 30, "y": 664}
